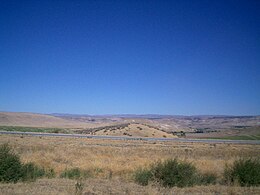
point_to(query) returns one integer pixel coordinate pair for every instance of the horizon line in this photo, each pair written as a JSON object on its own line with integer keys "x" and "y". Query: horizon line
{"x": 131, "y": 114}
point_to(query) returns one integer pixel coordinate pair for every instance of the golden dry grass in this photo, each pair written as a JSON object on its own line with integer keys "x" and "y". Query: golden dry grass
{"x": 121, "y": 158}
{"x": 112, "y": 163}
{"x": 115, "y": 186}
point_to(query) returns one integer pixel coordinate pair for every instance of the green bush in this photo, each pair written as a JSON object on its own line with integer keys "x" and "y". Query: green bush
{"x": 173, "y": 173}
{"x": 142, "y": 176}
{"x": 244, "y": 171}
{"x": 75, "y": 173}
{"x": 10, "y": 165}
{"x": 31, "y": 172}
{"x": 12, "y": 170}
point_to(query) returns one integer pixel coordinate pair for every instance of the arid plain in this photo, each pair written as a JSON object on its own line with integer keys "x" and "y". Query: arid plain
{"x": 112, "y": 163}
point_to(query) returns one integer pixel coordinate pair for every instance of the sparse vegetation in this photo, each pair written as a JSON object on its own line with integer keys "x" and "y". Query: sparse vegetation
{"x": 143, "y": 176}
{"x": 75, "y": 173}
{"x": 30, "y": 172}
{"x": 104, "y": 128}
{"x": 95, "y": 162}
{"x": 207, "y": 178}
{"x": 78, "y": 188}
{"x": 34, "y": 129}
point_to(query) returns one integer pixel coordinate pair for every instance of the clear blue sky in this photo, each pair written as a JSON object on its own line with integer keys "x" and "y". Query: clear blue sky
{"x": 118, "y": 57}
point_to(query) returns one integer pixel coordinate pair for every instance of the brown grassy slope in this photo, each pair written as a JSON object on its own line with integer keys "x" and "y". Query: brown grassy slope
{"x": 136, "y": 130}
{"x": 38, "y": 120}
{"x": 104, "y": 187}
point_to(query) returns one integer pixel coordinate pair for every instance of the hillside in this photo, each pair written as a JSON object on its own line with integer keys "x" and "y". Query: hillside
{"x": 38, "y": 120}
{"x": 135, "y": 130}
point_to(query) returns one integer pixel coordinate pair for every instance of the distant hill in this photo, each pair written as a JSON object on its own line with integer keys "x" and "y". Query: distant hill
{"x": 135, "y": 130}
{"x": 37, "y": 120}
{"x": 151, "y": 125}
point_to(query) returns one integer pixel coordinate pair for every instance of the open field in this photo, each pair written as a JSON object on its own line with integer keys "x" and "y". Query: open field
{"x": 112, "y": 163}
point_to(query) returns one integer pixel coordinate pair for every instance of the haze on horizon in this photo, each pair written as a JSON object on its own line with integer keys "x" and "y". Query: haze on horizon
{"x": 130, "y": 57}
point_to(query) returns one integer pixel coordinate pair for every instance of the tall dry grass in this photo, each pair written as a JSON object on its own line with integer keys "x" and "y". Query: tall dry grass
{"x": 104, "y": 186}
{"x": 115, "y": 158}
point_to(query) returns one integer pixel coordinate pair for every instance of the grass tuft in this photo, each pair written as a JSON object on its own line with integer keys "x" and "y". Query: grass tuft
{"x": 75, "y": 173}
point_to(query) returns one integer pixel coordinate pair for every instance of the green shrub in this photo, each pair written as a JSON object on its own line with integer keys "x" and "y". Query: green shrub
{"x": 12, "y": 170}
{"x": 75, "y": 173}
{"x": 244, "y": 171}
{"x": 142, "y": 176}
{"x": 174, "y": 173}
{"x": 10, "y": 165}
{"x": 31, "y": 172}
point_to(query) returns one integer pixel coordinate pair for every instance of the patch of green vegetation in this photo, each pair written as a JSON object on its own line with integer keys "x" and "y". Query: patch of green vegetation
{"x": 30, "y": 172}
{"x": 33, "y": 129}
{"x": 172, "y": 173}
{"x": 245, "y": 172}
{"x": 10, "y": 165}
{"x": 143, "y": 176}
{"x": 13, "y": 170}
{"x": 75, "y": 173}
{"x": 239, "y": 137}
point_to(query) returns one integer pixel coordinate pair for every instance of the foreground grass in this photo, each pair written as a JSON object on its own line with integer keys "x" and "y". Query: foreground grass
{"x": 114, "y": 186}
{"x": 118, "y": 158}
{"x": 109, "y": 161}
{"x": 34, "y": 129}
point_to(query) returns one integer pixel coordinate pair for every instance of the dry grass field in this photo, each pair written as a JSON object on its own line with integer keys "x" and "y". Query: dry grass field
{"x": 114, "y": 161}
{"x": 115, "y": 186}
